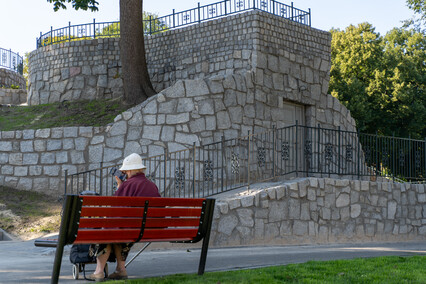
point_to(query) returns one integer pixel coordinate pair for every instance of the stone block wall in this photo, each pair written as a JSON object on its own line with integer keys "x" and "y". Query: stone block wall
{"x": 316, "y": 210}
{"x": 199, "y": 110}
{"x": 235, "y": 44}
{"x": 13, "y": 96}
{"x": 9, "y": 78}
{"x": 88, "y": 69}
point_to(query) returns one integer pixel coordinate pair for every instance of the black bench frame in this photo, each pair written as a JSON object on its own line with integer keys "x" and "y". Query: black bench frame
{"x": 72, "y": 211}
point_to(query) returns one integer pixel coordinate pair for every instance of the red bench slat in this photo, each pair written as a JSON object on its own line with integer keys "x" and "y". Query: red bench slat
{"x": 131, "y": 235}
{"x": 140, "y": 201}
{"x": 138, "y": 212}
{"x": 137, "y": 222}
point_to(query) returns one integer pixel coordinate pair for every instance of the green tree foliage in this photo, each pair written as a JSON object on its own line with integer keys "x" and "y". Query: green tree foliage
{"x": 91, "y": 5}
{"x": 136, "y": 81}
{"x": 152, "y": 25}
{"x": 381, "y": 79}
{"x": 419, "y": 8}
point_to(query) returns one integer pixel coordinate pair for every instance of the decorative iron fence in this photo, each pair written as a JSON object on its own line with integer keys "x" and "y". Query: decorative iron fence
{"x": 295, "y": 151}
{"x": 175, "y": 20}
{"x": 11, "y": 60}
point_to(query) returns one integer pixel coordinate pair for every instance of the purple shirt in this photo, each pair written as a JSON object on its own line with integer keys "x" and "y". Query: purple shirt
{"x": 138, "y": 185}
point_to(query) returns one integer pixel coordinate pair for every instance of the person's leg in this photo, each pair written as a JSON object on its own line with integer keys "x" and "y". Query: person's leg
{"x": 101, "y": 260}
{"x": 121, "y": 252}
{"x": 121, "y": 263}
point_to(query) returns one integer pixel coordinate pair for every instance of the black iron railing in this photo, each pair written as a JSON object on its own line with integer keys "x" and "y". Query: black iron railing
{"x": 175, "y": 20}
{"x": 295, "y": 151}
{"x": 11, "y": 60}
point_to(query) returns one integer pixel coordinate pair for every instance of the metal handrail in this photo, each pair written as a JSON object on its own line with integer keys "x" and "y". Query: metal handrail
{"x": 293, "y": 151}
{"x": 175, "y": 20}
{"x": 11, "y": 60}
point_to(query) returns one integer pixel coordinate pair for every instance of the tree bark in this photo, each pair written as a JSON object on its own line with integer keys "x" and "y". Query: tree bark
{"x": 136, "y": 81}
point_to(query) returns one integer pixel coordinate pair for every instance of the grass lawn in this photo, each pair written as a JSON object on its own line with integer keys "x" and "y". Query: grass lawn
{"x": 393, "y": 269}
{"x": 77, "y": 113}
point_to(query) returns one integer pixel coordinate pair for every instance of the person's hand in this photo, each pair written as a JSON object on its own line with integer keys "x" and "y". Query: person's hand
{"x": 119, "y": 182}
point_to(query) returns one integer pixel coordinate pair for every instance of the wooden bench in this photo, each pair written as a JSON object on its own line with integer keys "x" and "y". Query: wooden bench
{"x": 106, "y": 220}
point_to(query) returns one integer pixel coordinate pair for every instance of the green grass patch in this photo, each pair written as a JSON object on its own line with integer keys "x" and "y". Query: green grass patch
{"x": 77, "y": 113}
{"x": 28, "y": 209}
{"x": 391, "y": 269}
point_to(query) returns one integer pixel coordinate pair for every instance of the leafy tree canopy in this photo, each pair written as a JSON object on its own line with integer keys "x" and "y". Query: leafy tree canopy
{"x": 91, "y": 5}
{"x": 381, "y": 79}
{"x": 419, "y": 8}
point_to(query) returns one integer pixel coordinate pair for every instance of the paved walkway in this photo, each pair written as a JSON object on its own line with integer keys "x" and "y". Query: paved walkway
{"x": 22, "y": 262}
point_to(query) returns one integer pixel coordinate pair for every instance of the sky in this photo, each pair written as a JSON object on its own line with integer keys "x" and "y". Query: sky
{"x": 21, "y": 21}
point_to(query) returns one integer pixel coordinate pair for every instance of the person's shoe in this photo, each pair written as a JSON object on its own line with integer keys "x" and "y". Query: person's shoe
{"x": 118, "y": 275}
{"x": 97, "y": 277}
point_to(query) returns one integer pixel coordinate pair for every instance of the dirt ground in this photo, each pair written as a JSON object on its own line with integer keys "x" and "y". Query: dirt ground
{"x": 27, "y": 215}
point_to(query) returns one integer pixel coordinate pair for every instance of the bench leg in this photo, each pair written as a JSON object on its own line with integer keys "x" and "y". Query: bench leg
{"x": 203, "y": 256}
{"x": 57, "y": 264}
{"x": 206, "y": 239}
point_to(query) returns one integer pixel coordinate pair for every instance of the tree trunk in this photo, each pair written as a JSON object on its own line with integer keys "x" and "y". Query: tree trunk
{"x": 136, "y": 81}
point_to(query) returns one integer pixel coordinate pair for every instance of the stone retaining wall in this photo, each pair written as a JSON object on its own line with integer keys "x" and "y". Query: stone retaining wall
{"x": 91, "y": 69}
{"x": 13, "y": 96}
{"x": 9, "y": 78}
{"x": 200, "y": 111}
{"x": 312, "y": 211}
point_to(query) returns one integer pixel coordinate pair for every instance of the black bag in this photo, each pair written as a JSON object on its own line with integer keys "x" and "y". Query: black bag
{"x": 80, "y": 254}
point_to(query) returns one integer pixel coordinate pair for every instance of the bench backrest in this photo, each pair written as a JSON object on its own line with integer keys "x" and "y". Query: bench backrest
{"x": 105, "y": 219}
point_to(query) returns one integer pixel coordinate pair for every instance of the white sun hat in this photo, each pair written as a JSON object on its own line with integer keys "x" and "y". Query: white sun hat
{"x": 132, "y": 162}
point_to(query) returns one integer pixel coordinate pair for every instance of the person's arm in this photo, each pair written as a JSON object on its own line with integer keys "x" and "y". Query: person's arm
{"x": 119, "y": 182}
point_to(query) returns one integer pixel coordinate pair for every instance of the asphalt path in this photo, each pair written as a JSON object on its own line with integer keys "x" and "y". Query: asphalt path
{"x": 22, "y": 262}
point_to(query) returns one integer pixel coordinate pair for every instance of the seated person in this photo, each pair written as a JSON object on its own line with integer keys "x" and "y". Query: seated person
{"x": 136, "y": 184}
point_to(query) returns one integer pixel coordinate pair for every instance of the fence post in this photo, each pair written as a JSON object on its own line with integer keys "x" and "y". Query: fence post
{"x": 69, "y": 31}
{"x": 225, "y": 7}
{"x": 193, "y": 170}
{"x": 309, "y": 16}
{"x": 94, "y": 28}
{"x": 66, "y": 181}
{"x": 274, "y": 129}
{"x": 424, "y": 156}
{"x": 254, "y": 4}
{"x": 174, "y": 25}
{"x": 165, "y": 171}
{"x": 101, "y": 179}
{"x": 318, "y": 149}
{"x": 248, "y": 161}
{"x": 199, "y": 13}
{"x": 339, "y": 145}
{"x": 39, "y": 40}
{"x": 10, "y": 58}
{"x": 377, "y": 154}
{"x": 273, "y": 7}
{"x": 359, "y": 152}
{"x": 150, "y": 25}
{"x": 297, "y": 145}
{"x": 222, "y": 158}
{"x": 292, "y": 11}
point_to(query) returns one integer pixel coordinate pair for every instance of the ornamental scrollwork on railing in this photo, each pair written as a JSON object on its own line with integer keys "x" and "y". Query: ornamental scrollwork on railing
{"x": 308, "y": 149}
{"x": 187, "y": 17}
{"x": 401, "y": 158}
{"x": 208, "y": 170}
{"x": 349, "y": 153}
{"x": 179, "y": 178}
{"x": 285, "y": 151}
{"x": 235, "y": 163}
{"x": 328, "y": 151}
{"x": 385, "y": 157}
{"x": 367, "y": 153}
{"x": 261, "y": 156}
{"x": 417, "y": 159}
